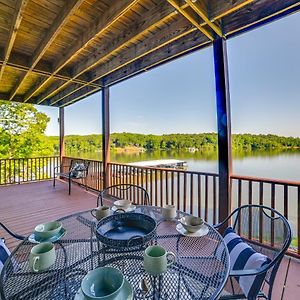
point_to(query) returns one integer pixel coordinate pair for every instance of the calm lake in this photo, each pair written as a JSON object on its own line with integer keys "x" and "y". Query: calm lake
{"x": 283, "y": 165}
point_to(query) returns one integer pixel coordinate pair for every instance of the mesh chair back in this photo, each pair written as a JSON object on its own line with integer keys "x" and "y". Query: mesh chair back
{"x": 267, "y": 231}
{"x": 134, "y": 193}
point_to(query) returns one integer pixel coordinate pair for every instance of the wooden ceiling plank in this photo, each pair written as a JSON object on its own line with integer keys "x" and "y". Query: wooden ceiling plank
{"x": 190, "y": 18}
{"x": 70, "y": 91}
{"x": 192, "y": 42}
{"x": 167, "y": 35}
{"x": 15, "y": 24}
{"x": 199, "y": 11}
{"x": 112, "y": 15}
{"x": 151, "y": 19}
{"x": 62, "y": 18}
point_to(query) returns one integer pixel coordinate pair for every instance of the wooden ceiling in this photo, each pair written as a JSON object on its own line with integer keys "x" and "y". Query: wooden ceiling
{"x": 56, "y": 52}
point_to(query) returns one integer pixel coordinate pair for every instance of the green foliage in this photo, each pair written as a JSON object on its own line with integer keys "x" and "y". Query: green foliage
{"x": 176, "y": 142}
{"x": 22, "y": 130}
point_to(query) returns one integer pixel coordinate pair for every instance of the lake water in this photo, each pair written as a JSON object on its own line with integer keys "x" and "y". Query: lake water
{"x": 283, "y": 165}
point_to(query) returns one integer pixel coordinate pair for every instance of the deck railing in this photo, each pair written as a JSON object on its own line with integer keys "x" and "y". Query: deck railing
{"x": 95, "y": 172}
{"x": 190, "y": 191}
{"x": 19, "y": 170}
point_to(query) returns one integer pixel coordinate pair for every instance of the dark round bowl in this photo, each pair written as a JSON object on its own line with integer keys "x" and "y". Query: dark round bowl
{"x": 126, "y": 230}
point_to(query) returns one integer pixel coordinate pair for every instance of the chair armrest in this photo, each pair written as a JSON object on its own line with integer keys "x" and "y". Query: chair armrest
{"x": 15, "y": 235}
{"x": 249, "y": 272}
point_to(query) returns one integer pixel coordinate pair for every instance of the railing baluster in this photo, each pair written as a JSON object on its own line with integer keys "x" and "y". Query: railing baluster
{"x": 172, "y": 187}
{"x": 167, "y": 187}
{"x": 184, "y": 192}
{"x": 250, "y": 210}
{"x": 192, "y": 194}
{"x": 286, "y": 200}
{"x": 199, "y": 195}
{"x": 178, "y": 191}
{"x": 272, "y": 214}
{"x": 206, "y": 198}
{"x": 298, "y": 220}
{"x": 261, "y": 202}
{"x": 214, "y": 200}
{"x": 161, "y": 188}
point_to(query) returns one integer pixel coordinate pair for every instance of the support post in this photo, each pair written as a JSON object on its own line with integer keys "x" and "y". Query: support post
{"x": 61, "y": 136}
{"x": 105, "y": 136}
{"x": 224, "y": 127}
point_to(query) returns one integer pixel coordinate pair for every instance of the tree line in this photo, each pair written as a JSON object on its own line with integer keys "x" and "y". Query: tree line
{"x": 178, "y": 141}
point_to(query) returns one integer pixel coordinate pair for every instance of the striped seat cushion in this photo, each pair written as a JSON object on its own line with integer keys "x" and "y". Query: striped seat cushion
{"x": 4, "y": 254}
{"x": 244, "y": 257}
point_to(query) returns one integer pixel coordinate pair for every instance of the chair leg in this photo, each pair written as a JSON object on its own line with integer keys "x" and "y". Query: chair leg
{"x": 69, "y": 185}
{"x": 54, "y": 181}
{"x": 86, "y": 188}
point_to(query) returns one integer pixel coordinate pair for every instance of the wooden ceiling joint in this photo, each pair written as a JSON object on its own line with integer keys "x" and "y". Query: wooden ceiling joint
{"x": 68, "y": 10}
{"x": 104, "y": 22}
{"x": 15, "y": 24}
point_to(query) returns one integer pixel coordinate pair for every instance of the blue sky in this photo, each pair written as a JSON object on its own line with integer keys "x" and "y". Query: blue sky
{"x": 179, "y": 97}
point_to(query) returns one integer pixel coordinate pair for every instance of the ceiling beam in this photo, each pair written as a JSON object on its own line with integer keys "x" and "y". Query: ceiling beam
{"x": 160, "y": 14}
{"x": 15, "y": 24}
{"x": 189, "y": 17}
{"x": 45, "y": 72}
{"x": 105, "y": 21}
{"x": 97, "y": 74}
{"x": 192, "y": 42}
{"x": 167, "y": 35}
{"x": 62, "y": 18}
{"x": 198, "y": 10}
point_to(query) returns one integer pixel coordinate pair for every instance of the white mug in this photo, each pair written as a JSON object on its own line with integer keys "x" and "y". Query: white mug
{"x": 169, "y": 212}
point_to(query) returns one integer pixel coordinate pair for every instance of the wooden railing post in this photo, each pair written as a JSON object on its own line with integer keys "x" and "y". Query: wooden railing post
{"x": 224, "y": 126}
{"x": 105, "y": 136}
{"x": 61, "y": 136}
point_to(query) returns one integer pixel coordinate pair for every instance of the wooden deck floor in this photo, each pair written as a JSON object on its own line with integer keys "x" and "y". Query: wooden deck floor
{"x": 24, "y": 206}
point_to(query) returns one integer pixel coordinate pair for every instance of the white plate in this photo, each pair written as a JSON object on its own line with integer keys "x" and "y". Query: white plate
{"x": 128, "y": 209}
{"x": 201, "y": 232}
{"x": 32, "y": 238}
{"x": 126, "y": 293}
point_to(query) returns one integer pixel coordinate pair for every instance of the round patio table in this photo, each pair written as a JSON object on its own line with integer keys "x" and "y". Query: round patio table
{"x": 199, "y": 272}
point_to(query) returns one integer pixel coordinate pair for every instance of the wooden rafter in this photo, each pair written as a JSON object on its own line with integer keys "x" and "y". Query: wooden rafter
{"x": 192, "y": 41}
{"x": 112, "y": 67}
{"x": 150, "y": 20}
{"x": 112, "y": 15}
{"x": 15, "y": 24}
{"x": 188, "y": 16}
{"x": 200, "y": 12}
{"x": 59, "y": 22}
{"x": 46, "y": 73}
{"x": 175, "y": 31}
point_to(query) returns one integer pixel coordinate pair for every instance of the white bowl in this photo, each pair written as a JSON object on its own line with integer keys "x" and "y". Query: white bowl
{"x": 123, "y": 204}
{"x": 191, "y": 223}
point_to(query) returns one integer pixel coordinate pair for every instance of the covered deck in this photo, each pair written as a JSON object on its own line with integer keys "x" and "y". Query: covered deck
{"x": 27, "y": 205}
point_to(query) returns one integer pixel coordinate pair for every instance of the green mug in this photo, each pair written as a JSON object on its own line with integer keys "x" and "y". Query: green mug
{"x": 157, "y": 260}
{"x": 41, "y": 257}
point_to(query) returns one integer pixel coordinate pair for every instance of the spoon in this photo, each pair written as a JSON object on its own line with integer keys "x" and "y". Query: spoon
{"x": 144, "y": 286}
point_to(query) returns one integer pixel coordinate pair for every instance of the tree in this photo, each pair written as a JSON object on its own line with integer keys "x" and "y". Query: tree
{"x": 22, "y": 130}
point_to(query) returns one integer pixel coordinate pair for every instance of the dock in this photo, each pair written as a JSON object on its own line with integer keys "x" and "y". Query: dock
{"x": 161, "y": 163}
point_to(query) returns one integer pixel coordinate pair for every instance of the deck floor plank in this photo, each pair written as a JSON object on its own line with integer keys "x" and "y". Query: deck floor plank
{"x": 24, "y": 206}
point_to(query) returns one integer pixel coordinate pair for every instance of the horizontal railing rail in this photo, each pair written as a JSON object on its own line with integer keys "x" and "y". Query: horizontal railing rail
{"x": 19, "y": 170}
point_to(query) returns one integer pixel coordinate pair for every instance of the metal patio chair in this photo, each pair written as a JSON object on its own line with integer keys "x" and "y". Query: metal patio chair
{"x": 267, "y": 232}
{"x": 135, "y": 193}
{"x": 78, "y": 169}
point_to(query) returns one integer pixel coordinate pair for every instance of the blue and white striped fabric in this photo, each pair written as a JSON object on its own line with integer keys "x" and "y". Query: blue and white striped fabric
{"x": 4, "y": 254}
{"x": 244, "y": 257}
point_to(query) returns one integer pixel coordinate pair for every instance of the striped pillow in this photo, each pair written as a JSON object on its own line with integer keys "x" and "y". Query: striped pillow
{"x": 244, "y": 257}
{"x": 4, "y": 254}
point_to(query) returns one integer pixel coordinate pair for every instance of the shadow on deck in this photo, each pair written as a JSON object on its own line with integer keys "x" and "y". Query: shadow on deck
{"x": 26, "y": 205}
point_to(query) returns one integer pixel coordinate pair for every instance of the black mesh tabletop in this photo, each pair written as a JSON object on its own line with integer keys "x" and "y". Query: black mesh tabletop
{"x": 199, "y": 272}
